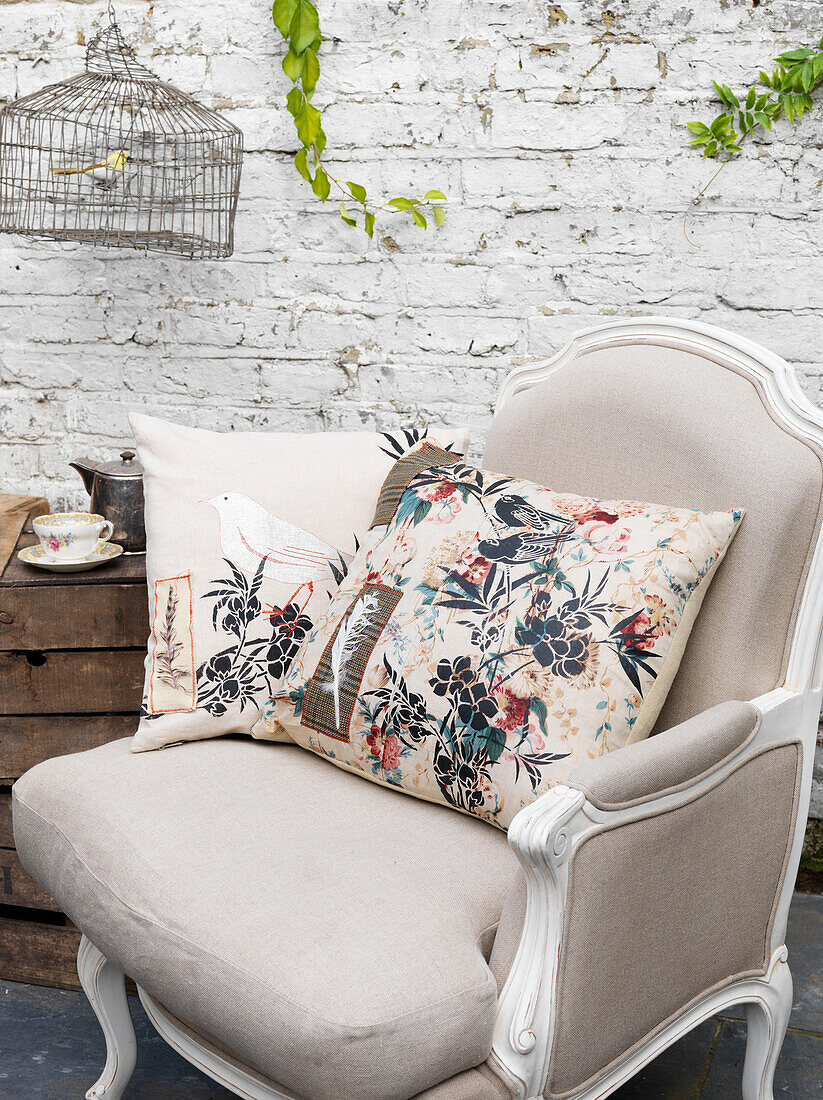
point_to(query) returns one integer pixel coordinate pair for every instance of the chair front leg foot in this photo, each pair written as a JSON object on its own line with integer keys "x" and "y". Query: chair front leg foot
{"x": 105, "y": 987}
{"x": 768, "y": 1018}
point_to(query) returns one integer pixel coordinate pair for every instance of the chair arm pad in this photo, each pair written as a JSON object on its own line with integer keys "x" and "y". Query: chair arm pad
{"x": 669, "y": 761}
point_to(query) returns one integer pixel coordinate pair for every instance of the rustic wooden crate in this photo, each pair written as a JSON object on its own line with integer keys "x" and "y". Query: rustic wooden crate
{"x": 72, "y": 647}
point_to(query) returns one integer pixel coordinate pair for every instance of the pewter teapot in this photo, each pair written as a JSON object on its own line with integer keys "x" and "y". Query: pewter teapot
{"x": 116, "y": 491}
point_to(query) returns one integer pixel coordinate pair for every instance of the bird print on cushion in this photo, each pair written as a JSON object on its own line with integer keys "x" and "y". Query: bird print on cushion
{"x": 249, "y": 534}
{"x": 537, "y": 532}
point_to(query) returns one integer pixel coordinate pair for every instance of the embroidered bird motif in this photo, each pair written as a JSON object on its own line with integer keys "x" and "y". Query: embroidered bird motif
{"x": 104, "y": 172}
{"x": 515, "y": 511}
{"x": 249, "y": 534}
{"x": 523, "y": 547}
{"x": 538, "y": 533}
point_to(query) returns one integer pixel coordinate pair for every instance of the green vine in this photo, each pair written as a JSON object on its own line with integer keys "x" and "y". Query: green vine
{"x": 788, "y": 95}
{"x": 299, "y": 24}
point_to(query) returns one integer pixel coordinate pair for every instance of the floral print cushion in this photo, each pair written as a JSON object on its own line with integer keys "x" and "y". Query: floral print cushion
{"x": 494, "y": 634}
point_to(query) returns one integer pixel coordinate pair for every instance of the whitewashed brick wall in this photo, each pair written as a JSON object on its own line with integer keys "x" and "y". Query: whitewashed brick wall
{"x": 556, "y": 129}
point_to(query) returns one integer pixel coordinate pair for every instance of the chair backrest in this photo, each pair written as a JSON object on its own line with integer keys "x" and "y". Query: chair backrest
{"x": 683, "y": 414}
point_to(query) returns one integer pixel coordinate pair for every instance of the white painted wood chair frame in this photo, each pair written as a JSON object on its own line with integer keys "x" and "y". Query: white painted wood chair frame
{"x": 546, "y": 834}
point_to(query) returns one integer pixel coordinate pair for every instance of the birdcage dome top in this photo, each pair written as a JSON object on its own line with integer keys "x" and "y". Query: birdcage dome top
{"x": 115, "y": 81}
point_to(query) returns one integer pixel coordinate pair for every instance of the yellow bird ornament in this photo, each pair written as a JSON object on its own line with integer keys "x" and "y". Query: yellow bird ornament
{"x": 103, "y": 172}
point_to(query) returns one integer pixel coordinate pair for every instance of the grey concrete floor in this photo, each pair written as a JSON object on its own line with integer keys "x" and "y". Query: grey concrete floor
{"x": 51, "y": 1047}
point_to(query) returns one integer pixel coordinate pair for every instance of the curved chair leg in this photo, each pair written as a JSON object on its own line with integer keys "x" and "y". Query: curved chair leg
{"x": 768, "y": 1018}
{"x": 105, "y": 987}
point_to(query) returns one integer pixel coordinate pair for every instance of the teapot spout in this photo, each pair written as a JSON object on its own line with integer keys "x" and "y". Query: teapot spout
{"x": 86, "y": 469}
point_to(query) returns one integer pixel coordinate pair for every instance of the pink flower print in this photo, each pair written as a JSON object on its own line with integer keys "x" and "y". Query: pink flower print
{"x": 474, "y": 567}
{"x": 53, "y": 544}
{"x": 443, "y": 496}
{"x": 611, "y": 542}
{"x": 386, "y": 750}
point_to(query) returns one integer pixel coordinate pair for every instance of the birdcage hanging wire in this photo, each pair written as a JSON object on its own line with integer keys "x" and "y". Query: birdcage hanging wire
{"x": 118, "y": 158}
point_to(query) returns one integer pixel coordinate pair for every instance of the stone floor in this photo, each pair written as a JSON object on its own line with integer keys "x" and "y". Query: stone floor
{"x": 51, "y": 1047}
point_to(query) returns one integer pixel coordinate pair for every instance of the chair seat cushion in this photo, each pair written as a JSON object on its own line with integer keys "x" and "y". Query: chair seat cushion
{"x": 336, "y": 942}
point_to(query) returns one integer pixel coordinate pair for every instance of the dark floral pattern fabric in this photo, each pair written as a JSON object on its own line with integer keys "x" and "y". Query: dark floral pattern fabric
{"x": 531, "y": 630}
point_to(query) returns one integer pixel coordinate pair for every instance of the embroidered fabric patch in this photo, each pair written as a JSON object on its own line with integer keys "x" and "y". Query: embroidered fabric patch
{"x": 172, "y": 683}
{"x": 332, "y": 692}
{"x": 401, "y": 476}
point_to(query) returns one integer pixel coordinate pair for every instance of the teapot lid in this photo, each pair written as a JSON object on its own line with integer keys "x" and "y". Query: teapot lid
{"x": 126, "y": 466}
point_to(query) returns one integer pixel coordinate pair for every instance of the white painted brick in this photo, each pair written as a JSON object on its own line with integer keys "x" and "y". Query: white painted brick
{"x": 535, "y": 124}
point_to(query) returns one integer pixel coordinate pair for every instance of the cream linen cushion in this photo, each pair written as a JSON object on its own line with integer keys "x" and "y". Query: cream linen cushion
{"x": 247, "y": 535}
{"x": 492, "y": 635}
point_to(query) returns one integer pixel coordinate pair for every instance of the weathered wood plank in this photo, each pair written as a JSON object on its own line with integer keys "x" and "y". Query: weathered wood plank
{"x": 127, "y": 568}
{"x": 17, "y": 887}
{"x": 6, "y": 831}
{"x": 26, "y": 740}
{"x": 15, "y": 510}
{"x": 71, "y": 681}
{"x": 105, "y": 616}
{"x": 43, "y": 954}
{"x": 11, "y": 524}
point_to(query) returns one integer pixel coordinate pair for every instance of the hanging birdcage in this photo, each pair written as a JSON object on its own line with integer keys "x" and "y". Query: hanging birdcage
{"x": 116, "y": 157}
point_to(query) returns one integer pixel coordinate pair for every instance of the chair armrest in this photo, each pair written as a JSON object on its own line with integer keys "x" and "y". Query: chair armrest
{"x": 667, "y": 762}
{"x": 657, "y": 873}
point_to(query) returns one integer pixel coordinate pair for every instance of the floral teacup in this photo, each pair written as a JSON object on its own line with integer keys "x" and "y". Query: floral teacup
{"x": 71, "y": 536}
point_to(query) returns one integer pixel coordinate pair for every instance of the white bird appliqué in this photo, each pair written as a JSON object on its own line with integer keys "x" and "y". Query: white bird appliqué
{"x": 249, "y": 534}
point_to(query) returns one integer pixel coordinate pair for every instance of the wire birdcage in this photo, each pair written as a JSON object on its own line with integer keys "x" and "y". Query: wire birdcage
{"x": 116, "y": 157}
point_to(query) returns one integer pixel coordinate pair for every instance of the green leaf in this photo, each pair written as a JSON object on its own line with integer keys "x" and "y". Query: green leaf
{"x": 750, "y": 98}
{"x": 320, "y": 184}
{"x": 726, "y": 95}
{"x": 369, "y": 226}
{"x": 711, "y": 149}
{"x": 357, "y": 190}
{"x": 305, "y": 25}
{"x": 282, "y": 13}
{"x": 720, "y": 125}
{"x": 301, "y": 163}
{"x": 794, "y": 55}
{"x": 763, "y": 119}
{"x": 294, "y": 101}
{"x": 419, "y": 219}
{"x": 320, "y": 143}
{"x": 403, "y": 204}
{"x": 310, "y": 70}
{"x": 439, "y": 215}
{"x": 698, "y": 128}
{"x": 434, "y": 196}
{"x": 292, "y": 66}
{"x": 765, "y": 79}
{"x": 346, "y": 216}
{"x": 307, "y": 122}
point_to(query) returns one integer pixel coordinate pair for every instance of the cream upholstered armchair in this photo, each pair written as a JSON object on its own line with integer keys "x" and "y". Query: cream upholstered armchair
{"x": 362, "y": 943}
